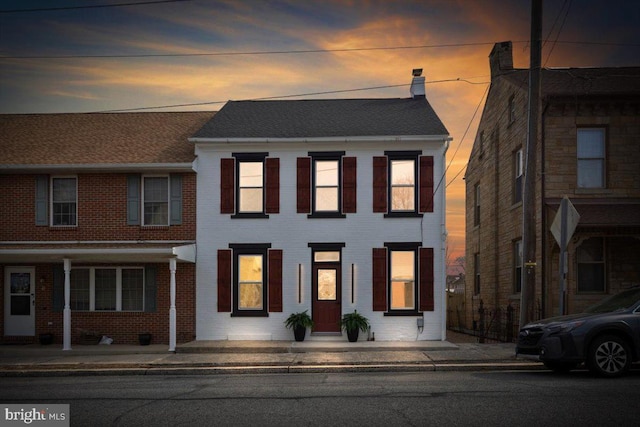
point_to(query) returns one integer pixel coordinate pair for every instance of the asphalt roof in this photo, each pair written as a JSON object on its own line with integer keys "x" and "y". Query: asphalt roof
{"x": 98, "y": 138}
{"x": 582, "y": 81}
{"x": 324, "y": 118}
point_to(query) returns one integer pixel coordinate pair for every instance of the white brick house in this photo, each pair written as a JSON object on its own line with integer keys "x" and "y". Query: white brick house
{"x": 326, "y": 206}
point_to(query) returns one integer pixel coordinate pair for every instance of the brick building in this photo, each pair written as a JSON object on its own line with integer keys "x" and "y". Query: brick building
{"x": 589, "y": 152}
{"x": 99, "y": 226}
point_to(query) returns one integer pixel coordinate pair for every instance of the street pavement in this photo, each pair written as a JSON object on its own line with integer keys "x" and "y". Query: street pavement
{"x": 459, "y": 352}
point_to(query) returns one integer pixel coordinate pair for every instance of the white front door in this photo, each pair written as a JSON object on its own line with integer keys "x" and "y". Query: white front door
{"x": 19, "y": 301}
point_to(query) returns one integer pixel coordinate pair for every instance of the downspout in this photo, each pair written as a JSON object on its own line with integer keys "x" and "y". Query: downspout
{"x": 443, "y": 247}
{"x": 496, "y": 225}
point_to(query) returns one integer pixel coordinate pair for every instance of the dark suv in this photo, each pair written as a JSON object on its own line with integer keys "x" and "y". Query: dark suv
{"x": 606, "y": 337}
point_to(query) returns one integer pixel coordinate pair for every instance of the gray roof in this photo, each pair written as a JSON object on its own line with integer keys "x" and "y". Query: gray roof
{"x": 323, "y": 118}
{"x": 582, "y": 81}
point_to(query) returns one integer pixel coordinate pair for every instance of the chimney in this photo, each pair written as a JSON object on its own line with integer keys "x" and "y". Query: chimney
{"x": 417, "y": 84}
{"x": 501, "y": 58}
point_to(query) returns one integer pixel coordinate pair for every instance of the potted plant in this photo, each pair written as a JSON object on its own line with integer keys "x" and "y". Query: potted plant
{"x": 144, "y": 338}
{"x": 299, "y": 322}
{"x": 353, "y": 323}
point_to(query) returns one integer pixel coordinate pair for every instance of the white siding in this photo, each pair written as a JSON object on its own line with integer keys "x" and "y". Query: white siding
{"x": 292, "y": 232}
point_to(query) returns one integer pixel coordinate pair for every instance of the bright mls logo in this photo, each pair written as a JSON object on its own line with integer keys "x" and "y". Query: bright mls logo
{"x": 38, "y": 415}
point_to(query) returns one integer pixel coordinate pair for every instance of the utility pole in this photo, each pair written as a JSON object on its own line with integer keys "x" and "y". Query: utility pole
{"x": 527, "y": 295}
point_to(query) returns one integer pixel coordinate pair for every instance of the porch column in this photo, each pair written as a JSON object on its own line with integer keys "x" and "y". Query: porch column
{"x": 172, "y": 309}
{"x": 66, "y": 319}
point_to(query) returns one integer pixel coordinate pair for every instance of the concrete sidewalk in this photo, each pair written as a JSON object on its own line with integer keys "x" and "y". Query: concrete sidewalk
{"x": 215, "y": 357}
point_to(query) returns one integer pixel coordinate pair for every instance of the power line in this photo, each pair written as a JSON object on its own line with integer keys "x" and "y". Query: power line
{"x": 95, "y": 6}
{"x": 195, "y": 104}
{"x": 268, "y": 52}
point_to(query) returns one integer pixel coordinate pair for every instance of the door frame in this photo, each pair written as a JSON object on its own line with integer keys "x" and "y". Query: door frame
{"x": 333, "y": 307}
{"x": 19, "y": 325}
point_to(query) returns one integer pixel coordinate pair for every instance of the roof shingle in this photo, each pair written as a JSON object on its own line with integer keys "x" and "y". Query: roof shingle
{"x": 98, "y": 138}
{"x": 324, "y": 118}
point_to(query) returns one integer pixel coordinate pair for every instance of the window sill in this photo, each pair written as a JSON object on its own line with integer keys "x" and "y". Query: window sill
{"x": 249, "y": 314}
{"x": 403, "y": 215}
{"x": 63, "y": 227}
{"x": 326, "y": 215}
{"x": 249, "y": 216}
{"x": 402, "y": 313}
{"x": 155, "y": 227}
{"x": 593, "y": 191}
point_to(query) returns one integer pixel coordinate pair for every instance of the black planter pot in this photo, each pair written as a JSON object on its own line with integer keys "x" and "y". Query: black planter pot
{"x": 352, "y": 334}
{"x": 46, "y": 339}
{"x": 144, "y": 339}
{"x": 299, "y": 333}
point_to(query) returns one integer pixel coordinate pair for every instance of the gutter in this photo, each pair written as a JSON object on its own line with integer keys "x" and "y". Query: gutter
{"x": 97, "y": 167}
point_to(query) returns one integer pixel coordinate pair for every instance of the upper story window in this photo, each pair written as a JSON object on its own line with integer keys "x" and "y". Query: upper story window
{"x": 156, "y": 200}
{"x": 403, "y": 184}
{"x": 326, "y": 194}
{"x": 326, "y": 184}
{"x": 64, "y": 201}
{"x": 518, "y": 168}
{"x": 250, "y": 185}
{"x": 476, "y": 204}
{"x": 591, "y": 157}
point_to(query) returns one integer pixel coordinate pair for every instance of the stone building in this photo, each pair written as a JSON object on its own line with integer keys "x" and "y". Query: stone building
{"x": 588, "y": 152}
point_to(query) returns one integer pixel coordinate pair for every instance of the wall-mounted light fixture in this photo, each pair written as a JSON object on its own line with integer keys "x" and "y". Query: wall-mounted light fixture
{"x": 420, "y": 323}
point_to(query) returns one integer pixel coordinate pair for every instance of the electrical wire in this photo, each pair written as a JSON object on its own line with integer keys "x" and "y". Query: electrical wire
{"x": 95, "y": 6}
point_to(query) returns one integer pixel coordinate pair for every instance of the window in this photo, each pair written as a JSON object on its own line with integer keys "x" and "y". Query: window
{"x": 156, "y": 200}
{"x": 517, "y": 266}
{"x": 250, "y": 279}
{"x": 326, "y": 185}
{"x": 476, "y": 279}
{"x": 250, "y": 185}
{"x": 63, "y": 201}
{"x": 591, "y": 268}
{"x": 512, "y": 109}
{"x": 107, "y": 289}
{"x": 591, "y": 158}
{"x": 403, "y": 184}
{"x": 518, "y": 167}
{"x": 403, "y": 280}
{"x": 409, "y": 285}
{"x": 476, "y": 204}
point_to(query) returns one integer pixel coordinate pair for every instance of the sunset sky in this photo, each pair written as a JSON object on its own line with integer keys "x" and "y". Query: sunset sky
{"x": 61, "y": 56}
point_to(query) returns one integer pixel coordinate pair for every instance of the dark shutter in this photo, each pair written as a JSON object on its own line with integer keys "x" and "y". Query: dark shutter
{"x": 349, "y": 177}
{"x": 175, "y": 181}
{"x": 275, "y": 280}
{"x": 133, "y": 200}
{"x": 379, "y": 279}
{"x": 150, "y": 289}
{"x": 58, "y": 287}
{"x": 304, "y": 185}
{"x": 380, "y": 184}
{"x": 227, "y": 186}
{"x": 426, "y": 183}
{"x": 42, "y": 199}
{"x": 224, "y": 280}
{"x": 273, "y": 186}
{"x": 426, "y": 279}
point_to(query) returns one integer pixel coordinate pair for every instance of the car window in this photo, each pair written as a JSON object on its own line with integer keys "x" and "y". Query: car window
{"x": 620, "y": 301}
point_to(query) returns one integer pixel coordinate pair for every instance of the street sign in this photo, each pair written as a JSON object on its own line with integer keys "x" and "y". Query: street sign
{"x": 572, "y": 218}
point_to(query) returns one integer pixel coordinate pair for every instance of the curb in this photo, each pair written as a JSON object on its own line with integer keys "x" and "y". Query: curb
{"x": 65, "y": 371}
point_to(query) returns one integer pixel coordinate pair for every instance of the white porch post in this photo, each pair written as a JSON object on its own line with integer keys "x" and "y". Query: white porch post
{"x": 172, "y": 309}
{"x": 66, "y": 320}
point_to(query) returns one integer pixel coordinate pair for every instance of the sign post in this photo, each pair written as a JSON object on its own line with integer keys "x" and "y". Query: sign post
{"x": 563, "y": 227}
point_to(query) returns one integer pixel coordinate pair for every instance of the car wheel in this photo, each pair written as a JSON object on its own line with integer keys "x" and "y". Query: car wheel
{"x": 560, "y": 367}
{"x": 609, "y": 356}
